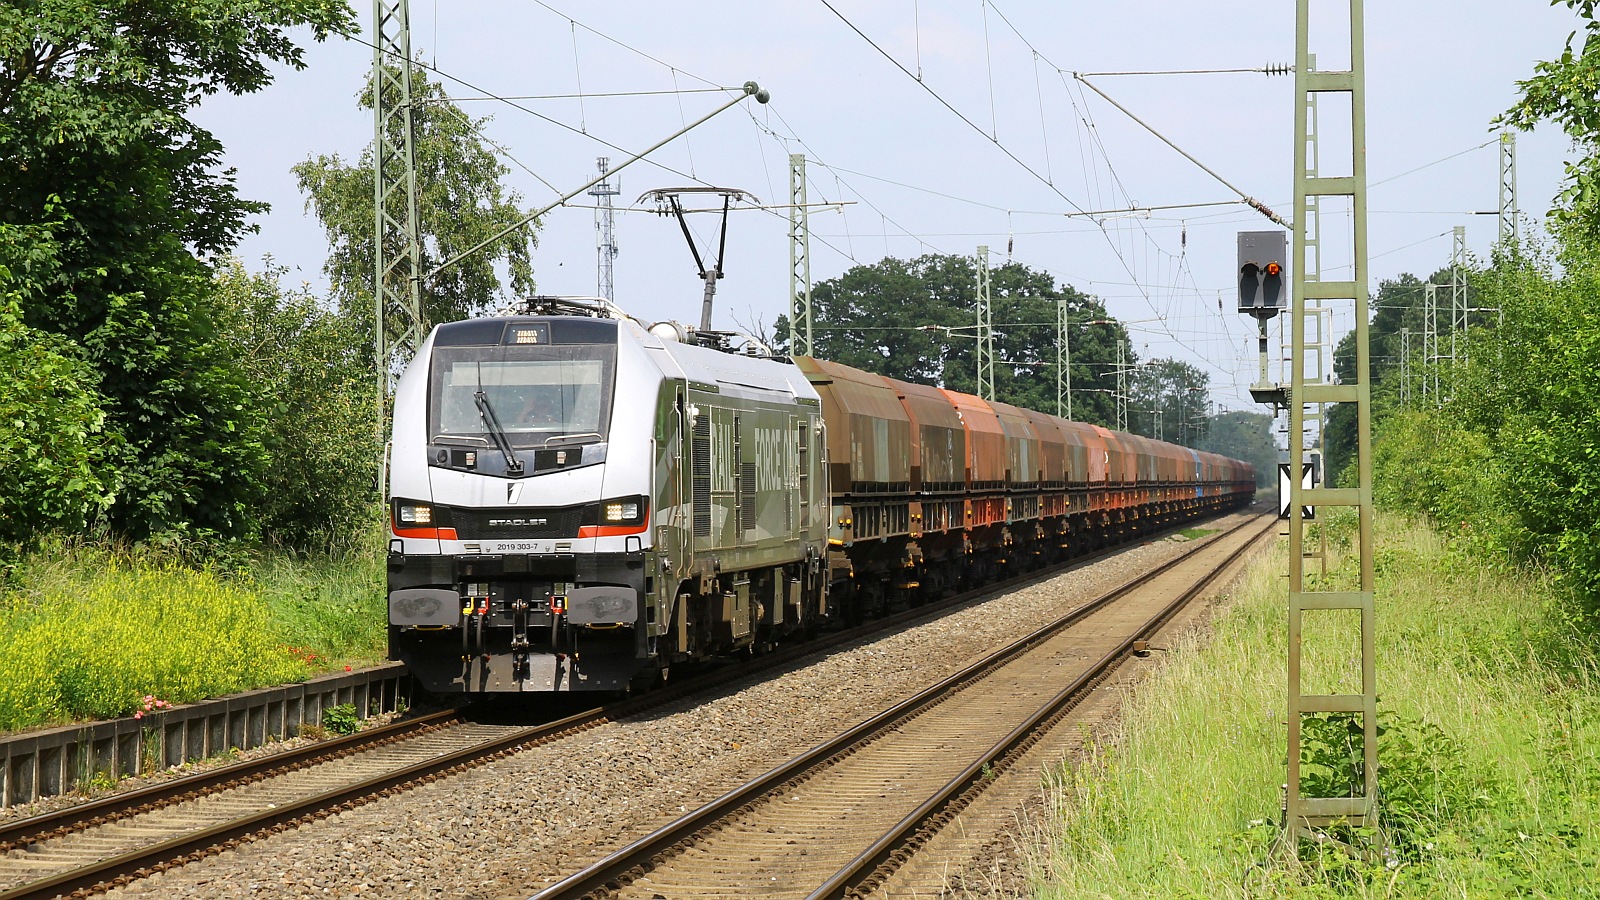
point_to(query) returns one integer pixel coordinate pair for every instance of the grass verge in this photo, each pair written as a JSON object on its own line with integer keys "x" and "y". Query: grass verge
{"x": 90, "y": 632}
{"x": 1489, "y": 749}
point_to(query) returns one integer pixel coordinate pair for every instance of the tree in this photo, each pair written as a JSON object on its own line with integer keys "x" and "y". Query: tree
{"x": 1399, "y": 321}
{"x": 460, "y": 204}
{"x": 116, "y": 192}
{"x": 53, "y": 443}
{"x": 1244, "y": 436}
{"x": 314, "y": 395}
{"x": 1563, "y": 90}
{"x": 1532, "y": 386}
{"x": 1167, "y": 397}
{"x": 862, "y": 320}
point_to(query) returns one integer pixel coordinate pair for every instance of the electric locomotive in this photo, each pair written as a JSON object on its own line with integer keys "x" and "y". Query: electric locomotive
{"x": 579, "y": 502}
{"x": 576, "y": 502}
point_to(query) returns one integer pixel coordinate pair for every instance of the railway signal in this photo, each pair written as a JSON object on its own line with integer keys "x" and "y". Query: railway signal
{"x": 1261, "y": 294}
{"x": 1261, "y": 255}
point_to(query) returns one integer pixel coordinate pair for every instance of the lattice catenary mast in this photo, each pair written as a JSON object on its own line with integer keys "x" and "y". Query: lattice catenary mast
{"x": 799, "y": 259}
{"x": 605, "y": 226}
{"x": 397, "y": 278}
{"x": 1301, "y": 812}
{"x": 1508, "y": 187}
{"x": 985, "y": 328}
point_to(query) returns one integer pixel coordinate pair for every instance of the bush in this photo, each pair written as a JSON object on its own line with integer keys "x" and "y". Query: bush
{"x": 341, "y": 719}
{"x": 1533, "y": 387}
{"x": 314, "y": 402}
{"x": 52, "y": 431}
{"x": 1426, "y": 462}
{"x": 95, "y": 648}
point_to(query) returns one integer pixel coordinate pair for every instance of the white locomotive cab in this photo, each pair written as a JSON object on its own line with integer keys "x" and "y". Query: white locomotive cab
{"x": 520, "y": 505}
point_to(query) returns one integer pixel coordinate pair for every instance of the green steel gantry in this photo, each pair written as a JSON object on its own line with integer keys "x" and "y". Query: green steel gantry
{"x": 397, "y": 281}
{"x": 1303, "y": 813}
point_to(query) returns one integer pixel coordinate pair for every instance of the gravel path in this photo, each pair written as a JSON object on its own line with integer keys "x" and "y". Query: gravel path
{"x": 507, "y": 829}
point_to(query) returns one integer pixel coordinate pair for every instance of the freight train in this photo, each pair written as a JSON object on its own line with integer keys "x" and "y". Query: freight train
{"x": 578, "y": 502}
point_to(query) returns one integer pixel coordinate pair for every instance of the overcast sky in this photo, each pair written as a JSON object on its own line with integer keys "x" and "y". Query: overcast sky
{"x": 922, "y": 179}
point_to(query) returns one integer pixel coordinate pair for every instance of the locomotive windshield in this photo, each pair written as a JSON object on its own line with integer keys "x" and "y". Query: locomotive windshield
{"x": 551, "y": 393}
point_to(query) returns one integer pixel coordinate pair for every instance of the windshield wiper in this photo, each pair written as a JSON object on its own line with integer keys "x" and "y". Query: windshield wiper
{"x": 513, "y": 464}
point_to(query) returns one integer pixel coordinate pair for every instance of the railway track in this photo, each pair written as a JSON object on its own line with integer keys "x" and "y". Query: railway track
{"x": 127, "y": 836}
{"x": 843, "y": 817}
{"x": 111, "y": 842}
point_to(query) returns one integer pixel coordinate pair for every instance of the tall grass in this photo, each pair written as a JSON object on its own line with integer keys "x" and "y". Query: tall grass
{"x": 87, "y": 631}
{"x": 1489, "y": 756}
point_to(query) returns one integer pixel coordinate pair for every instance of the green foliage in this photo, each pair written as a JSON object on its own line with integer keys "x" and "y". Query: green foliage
{"x": 341, "y": 719}
{"x": 53, "y": 444}
{"x": 1425, "y": 778}
{"x": 1428, "y": 462}
{"x": 92, "y": 646}
{"x": 1399, "y": 313}
{"x": 191, "y": 456}
{"x": 1168, "y": 400}
{"x": 1489, "y": 748}
{"x": 861, "y": 322}
{"x": 329, "y": 606}
{"x": 91, "y": 92}
{"x": 460, "y": 203}
{"x": 1247, "y": 436}
{"x": 313, "y": 400}
{"x": 1531, "y": 389}
{"x": 117, "y": 191}
{"x": 1566, "y": 90}
{"x": 180, "y": 630}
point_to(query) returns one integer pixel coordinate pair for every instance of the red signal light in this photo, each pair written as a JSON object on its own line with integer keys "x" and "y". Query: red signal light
{"x": 1273, "y": 268}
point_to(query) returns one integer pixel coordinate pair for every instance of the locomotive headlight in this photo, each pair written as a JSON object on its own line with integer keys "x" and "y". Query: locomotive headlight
{"x": 622, "y": 511}
{"x": 416, "y": 514}
{"x": 613, "y": 518}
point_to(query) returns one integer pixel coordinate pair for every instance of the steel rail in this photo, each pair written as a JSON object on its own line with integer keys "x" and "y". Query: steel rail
{"x": 59, "y": 823}
{"x": 158, "y": 857}
{"x": 604, "y": 873}
{"x": 875, "y": 863}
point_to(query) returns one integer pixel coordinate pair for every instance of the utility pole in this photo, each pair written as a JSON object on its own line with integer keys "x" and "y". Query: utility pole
{"x": 605, "y": 225}
{"x": 1304, "y": 814}
{"x": 397, "y": 277}
{"x": 799, "y": 259}
{"x": 985, "y": 328}
{"x": 1508, "y": 187}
